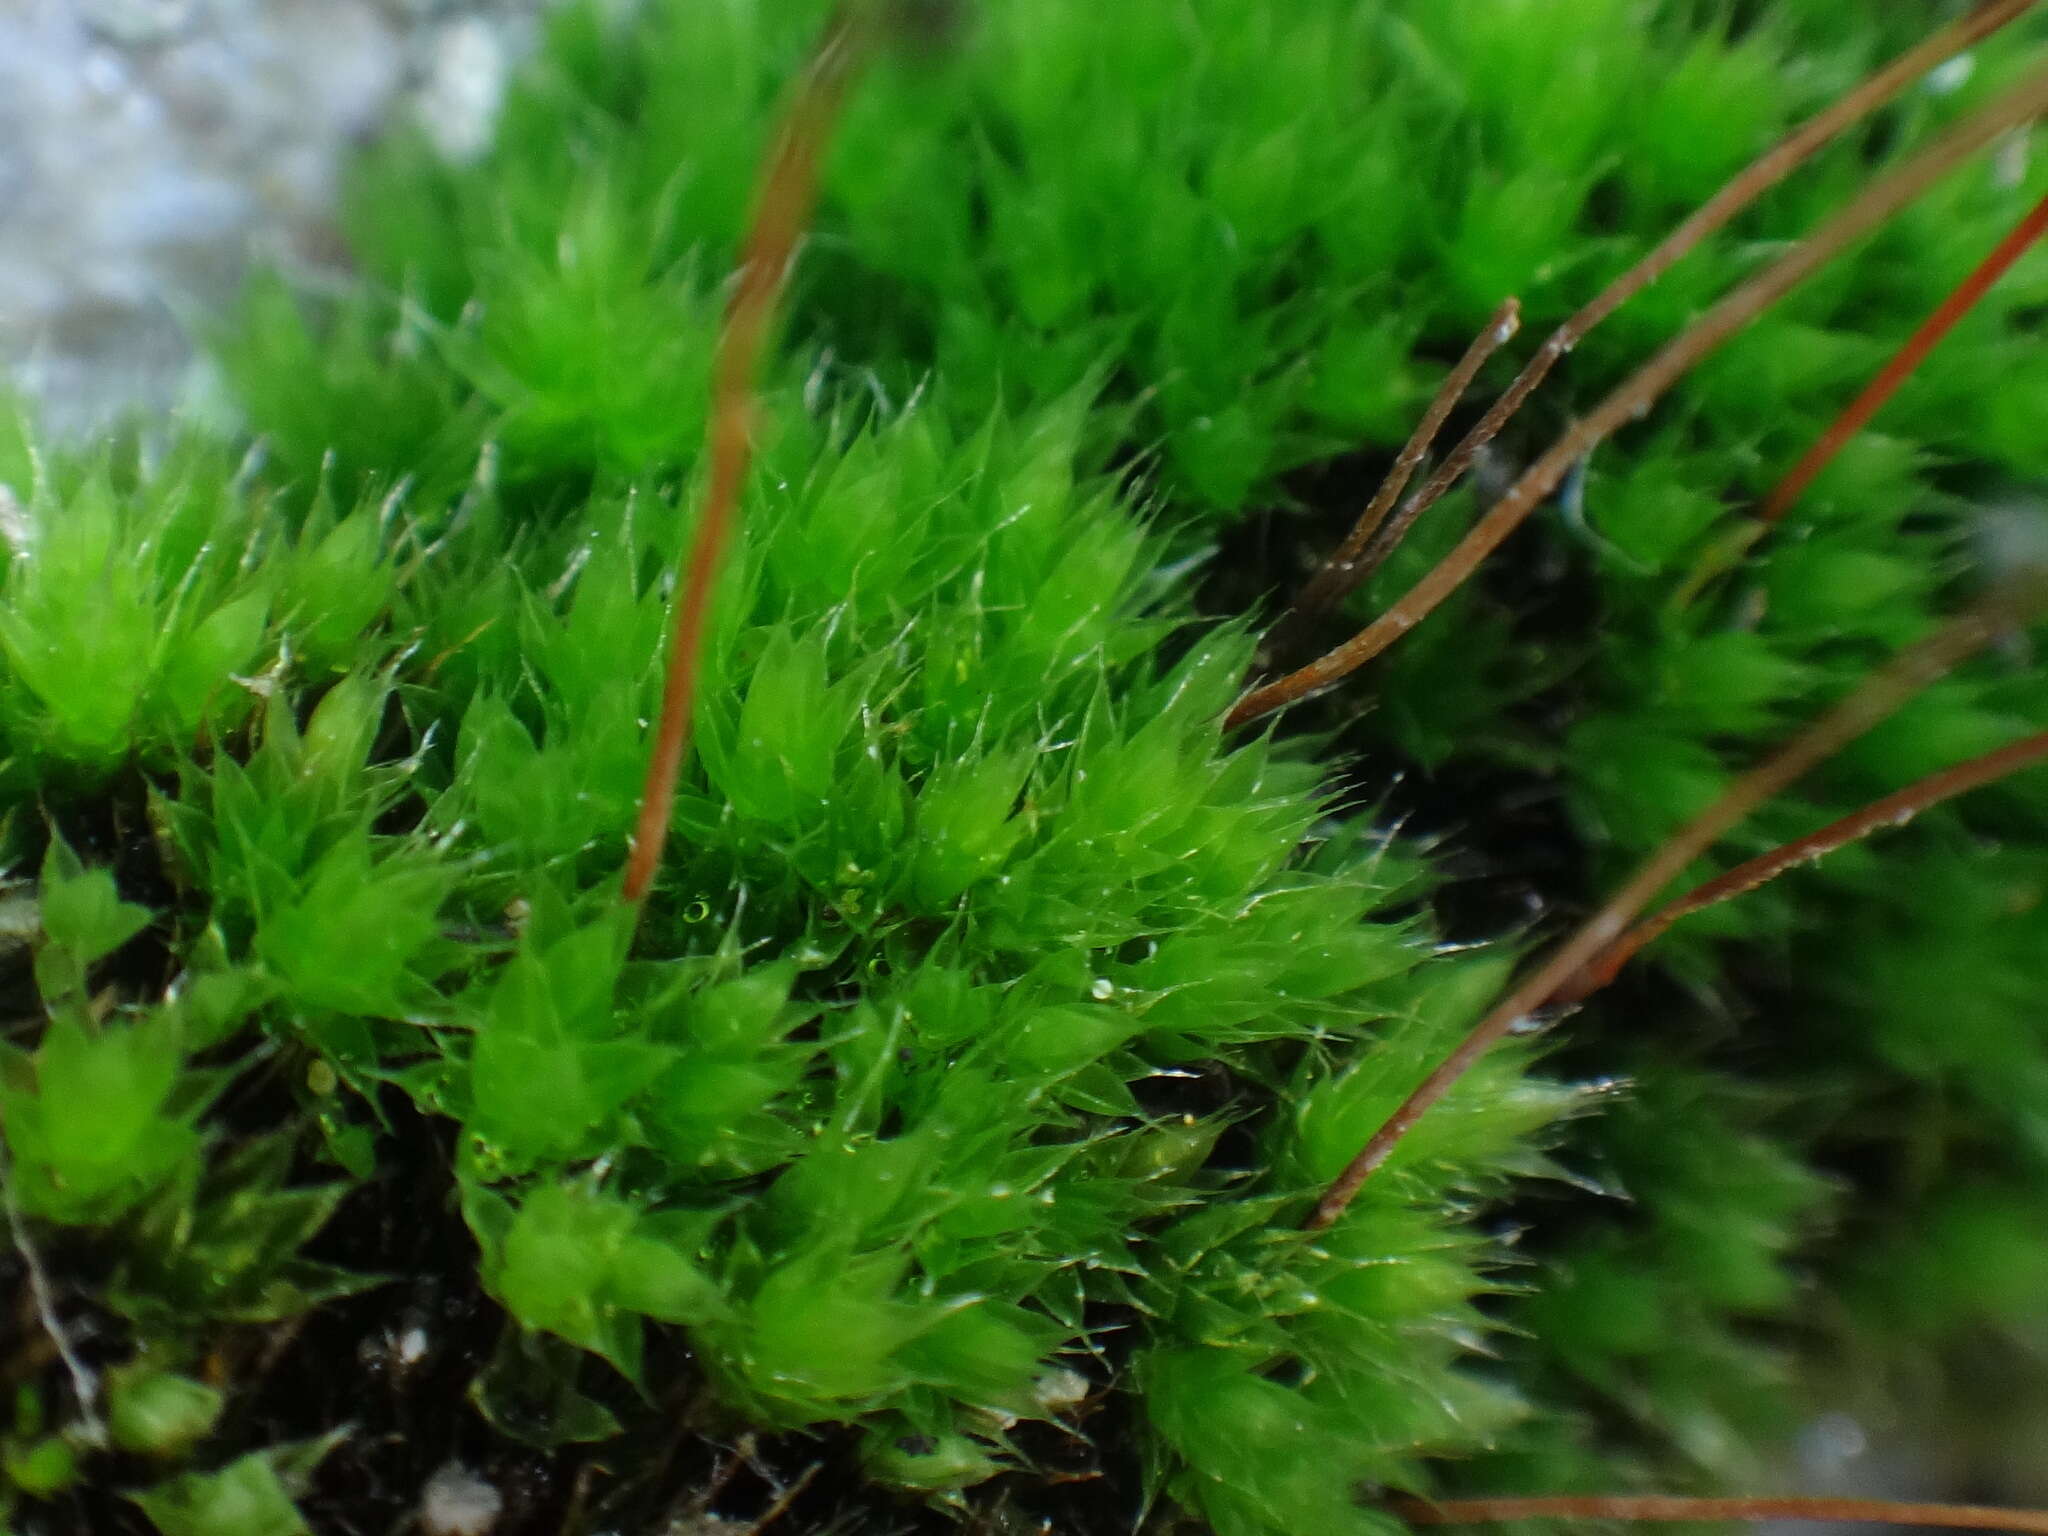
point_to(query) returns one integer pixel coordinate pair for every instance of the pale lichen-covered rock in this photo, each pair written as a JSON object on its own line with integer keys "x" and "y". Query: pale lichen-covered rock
{"x": 149, "y": 148}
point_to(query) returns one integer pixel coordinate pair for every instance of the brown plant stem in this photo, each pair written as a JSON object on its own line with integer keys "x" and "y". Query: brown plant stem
{"x": 1891, "y": 811}
{"x": 1659, "y": 1507}
{"x": 1345, "y": 570}
{"x": 1731, "y": 547}
{"x": 1342, "y": 571}
{"x": 1724, "y": 552}
{"x": 1878, "y": 696}
{"x": 1902, "y": 362}
{"x": 1634, "y": 397}
{"x": 782, "y": 206}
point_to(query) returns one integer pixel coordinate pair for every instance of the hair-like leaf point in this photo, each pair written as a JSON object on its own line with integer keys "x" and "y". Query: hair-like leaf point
{"x": 782, "y": 208}
{"x": 1879, "y": 696}
{"x": 1634, "y": 397}
{"x": 1668, "y": 1508}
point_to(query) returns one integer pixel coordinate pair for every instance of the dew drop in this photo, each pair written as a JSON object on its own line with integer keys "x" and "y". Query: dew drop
{"x": 1946, "y": 79}
{"x": 457, "y": 1502}
{"x": 1062, "y": 1388}
{"x": 1831, "y": 1443}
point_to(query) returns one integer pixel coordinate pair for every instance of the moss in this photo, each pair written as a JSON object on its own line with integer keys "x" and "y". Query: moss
{"x": 993, "y": 1023}
{"x": 964, "y": 885}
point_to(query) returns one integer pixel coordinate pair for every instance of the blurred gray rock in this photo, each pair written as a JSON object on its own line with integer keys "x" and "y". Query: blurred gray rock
{"x": 150, "y": 148}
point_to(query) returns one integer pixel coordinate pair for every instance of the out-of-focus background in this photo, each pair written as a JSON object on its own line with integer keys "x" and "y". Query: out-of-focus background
{"x": 149, "y": 148}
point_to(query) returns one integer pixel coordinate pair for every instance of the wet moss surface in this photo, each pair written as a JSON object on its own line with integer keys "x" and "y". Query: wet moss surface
{"x": 932, "y": 1151}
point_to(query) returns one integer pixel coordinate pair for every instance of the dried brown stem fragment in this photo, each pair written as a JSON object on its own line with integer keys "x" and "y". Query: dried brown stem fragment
{"x": 1879, "y": 695}
{"x": 1966, "y": 1517}
{"x": 782, "y": 207}
{"x": 1346, "y": 569}
{"x": 84, "y": 1381}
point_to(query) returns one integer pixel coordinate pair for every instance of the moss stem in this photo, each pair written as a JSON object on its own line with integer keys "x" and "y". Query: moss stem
{"x": 782, "y": 207}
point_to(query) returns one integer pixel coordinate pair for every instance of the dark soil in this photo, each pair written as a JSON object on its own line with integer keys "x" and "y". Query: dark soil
{"x": 396, "y": 1364}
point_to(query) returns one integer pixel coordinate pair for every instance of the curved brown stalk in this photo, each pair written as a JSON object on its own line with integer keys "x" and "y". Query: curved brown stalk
{"x": 1877, "y": 697}
{"x": 1658, "y": 1507}
{"x": 1634, "y": 397}
{"x": 782, "y": 207}
{"x": 1892, "y": 811}
{"x": 1345, "y": 569}
{"x": 1342, "y": 571}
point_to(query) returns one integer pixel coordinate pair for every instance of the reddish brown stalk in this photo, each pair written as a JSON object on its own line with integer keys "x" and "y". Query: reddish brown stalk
{"x": 1967, "y": 1517}
{"x": 1892, "y": 811}
{"x": 1724, "y": 552}
{"x": 1902, "y": 363}
{"x": 782, "y": 207}
{"x": 1335, "y": 581}
{"x": 1634, "y": 397}
{"x": 1878, "y": 696}
{"x": 1337, "y": 577}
